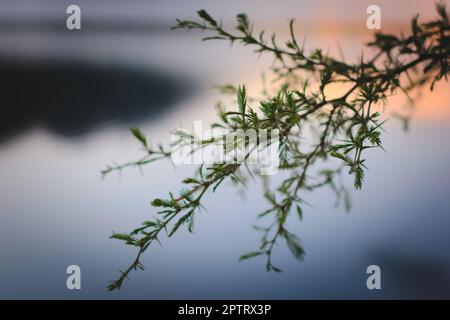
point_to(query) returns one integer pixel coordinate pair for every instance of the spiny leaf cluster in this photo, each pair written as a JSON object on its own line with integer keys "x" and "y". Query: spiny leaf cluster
{"x": 345, "y": 127}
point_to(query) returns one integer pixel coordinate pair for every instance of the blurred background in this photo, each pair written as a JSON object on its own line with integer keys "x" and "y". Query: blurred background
{"x": 67, "y": 100}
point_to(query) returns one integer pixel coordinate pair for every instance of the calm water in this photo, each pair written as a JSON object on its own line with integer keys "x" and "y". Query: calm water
{"x": 56, "y": 211}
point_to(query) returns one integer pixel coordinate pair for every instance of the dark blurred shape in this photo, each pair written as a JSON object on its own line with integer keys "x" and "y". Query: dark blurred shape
{"x": 413, "y": 276}
{"x": 71, "y": 98}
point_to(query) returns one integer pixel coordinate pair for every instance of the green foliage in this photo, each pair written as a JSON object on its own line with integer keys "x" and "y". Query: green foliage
{"x": 140, "y": 136}
{"x": 346, "y": 126}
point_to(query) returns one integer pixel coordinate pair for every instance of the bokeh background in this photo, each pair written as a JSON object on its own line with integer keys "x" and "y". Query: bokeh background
{"x": 67, "y": 99}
